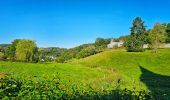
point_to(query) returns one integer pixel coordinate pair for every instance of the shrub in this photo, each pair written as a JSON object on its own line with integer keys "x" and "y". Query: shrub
{"x": 12, "y": 88}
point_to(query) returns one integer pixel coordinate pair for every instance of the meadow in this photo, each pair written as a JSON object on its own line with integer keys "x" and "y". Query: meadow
{"x": 104, "y": 75}
{"x": 67, "y": 72}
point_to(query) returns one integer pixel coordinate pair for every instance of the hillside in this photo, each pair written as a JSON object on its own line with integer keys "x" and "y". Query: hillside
{"x": 4, "y": 45}
{"x": 135, "y": 67}
{"x": 72, "y": 74}
{"x": 136, "y": 71}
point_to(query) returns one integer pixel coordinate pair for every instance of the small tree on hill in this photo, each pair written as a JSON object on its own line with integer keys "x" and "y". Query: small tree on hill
{"x": 137, "y": 38}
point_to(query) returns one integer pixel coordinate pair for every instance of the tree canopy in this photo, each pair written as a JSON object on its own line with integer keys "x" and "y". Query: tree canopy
{"x": 137, "y": 37}
{"x": 26, "y": 50}
{"x": 11, "y": 49}
{"x": 157, "y": 36}
{"x": 168, "y": 33}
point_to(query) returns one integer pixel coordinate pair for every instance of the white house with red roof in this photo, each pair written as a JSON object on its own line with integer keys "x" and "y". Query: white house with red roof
{"x": 115, "y": 43}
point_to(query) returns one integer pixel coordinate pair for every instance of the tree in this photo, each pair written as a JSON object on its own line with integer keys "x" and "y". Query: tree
{"x": 137, "y": 38}
{"x": 102, "y": 43}
{"x": 11, "y": 49}
{"x": 123, "y": 38}
{"x": 168, "y": 33}
{"x": 26, "y": 50}
{"x": 86, "y": 52}
{"x": 157, "y": 36}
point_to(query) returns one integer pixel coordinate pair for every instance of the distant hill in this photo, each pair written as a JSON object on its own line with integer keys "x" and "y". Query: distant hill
{"x": 4, "y": 45}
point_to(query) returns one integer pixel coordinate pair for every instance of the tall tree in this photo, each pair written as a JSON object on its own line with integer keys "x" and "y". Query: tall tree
{"x": 157, "y": 36}
{"x": 168, "y": 33}
{"x": 137, "y": 37}
{"x": 26, "y": 50}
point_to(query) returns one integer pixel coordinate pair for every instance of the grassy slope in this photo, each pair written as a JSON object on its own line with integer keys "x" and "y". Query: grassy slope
{"x": 73, "y": 73}
{"x": 127, "y": 64}
{"x": 103, "y": 69}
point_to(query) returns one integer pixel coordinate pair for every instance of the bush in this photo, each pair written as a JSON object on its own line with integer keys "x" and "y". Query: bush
{"x": 133, "y": 45}
{"x": 86, "y": 52}
{"x": 2, "y": 56}
{"x": 12, "y": 88}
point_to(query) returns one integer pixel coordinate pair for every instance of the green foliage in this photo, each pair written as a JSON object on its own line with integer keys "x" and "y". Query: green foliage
{"x": 50, "y": 54}
{"x": 101, "y": 43}
{"x": 26, "y": 50}
{"x": 3, "y": 47}
{"x": 157, "y": 36}
{"x": 90, "y": 83}
{"x": 133, "y": 45}
{"x": 60, "y": 55}
{"x": 2, "y": 51}
{"x": 86, "y": 52}
{"x": 66, "y": 56}
{"x": 123, "y": 38}
{"x": 128, "y": 64}
{"x": 2, "y": 56}
{"x": 11, "y": 49}
{"x": 78, "y": 52}
{"x": 137, "y": 38}
{"x": 168, "y": 33}
{"x": 53, "y": 89}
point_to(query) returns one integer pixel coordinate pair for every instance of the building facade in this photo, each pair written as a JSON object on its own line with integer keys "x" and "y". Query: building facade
{"x": 115, "y": 43}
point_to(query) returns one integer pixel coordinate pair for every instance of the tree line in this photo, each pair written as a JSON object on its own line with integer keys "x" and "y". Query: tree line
{"x": 27, "y": 51}
{"x": 159, "y": 34}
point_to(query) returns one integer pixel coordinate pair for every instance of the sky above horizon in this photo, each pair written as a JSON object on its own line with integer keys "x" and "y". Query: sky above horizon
{"x": 69, "y": 23}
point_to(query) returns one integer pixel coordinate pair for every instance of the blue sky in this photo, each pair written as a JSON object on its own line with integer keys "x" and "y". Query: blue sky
{"x": 69, "y": 23}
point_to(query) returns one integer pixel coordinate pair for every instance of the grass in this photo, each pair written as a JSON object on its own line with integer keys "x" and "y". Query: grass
{"x": 132, "y": 70}
{"x": 67, "y": 72}
{"x": 127, "y": 64}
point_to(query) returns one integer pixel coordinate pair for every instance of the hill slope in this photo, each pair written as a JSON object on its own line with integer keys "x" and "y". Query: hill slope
{"x": 73, "y": 74}
{"x": 133, "y": 65}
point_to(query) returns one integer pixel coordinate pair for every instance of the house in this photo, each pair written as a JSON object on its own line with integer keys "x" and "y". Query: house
{"x": 115, "y": 43}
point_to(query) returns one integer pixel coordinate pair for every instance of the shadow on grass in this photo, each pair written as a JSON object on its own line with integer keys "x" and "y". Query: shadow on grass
{"x": 159, "y": 85}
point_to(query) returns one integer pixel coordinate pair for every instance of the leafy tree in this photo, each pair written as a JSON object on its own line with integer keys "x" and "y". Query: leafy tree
{"x": 123, "y": 38}
{"x": 11, "y": 49}
{"x": 102, "y": 43}
{"x": 168, "y": 33}
{"x": 26, "y": 50}
{"x": 137, "y": 37}
{"x": 86, "y": 52}
{"x": 157, "y": 36}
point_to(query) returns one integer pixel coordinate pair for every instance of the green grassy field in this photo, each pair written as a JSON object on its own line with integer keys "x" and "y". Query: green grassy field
{"x": 132, "y": 70}
{"x": 67, "y": 72}
{"x": 139, "y": 70}
{"x": 128, "y": 63}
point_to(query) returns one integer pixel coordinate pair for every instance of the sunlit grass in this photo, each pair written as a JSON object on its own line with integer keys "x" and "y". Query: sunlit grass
{"x": 127, "y": 64}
